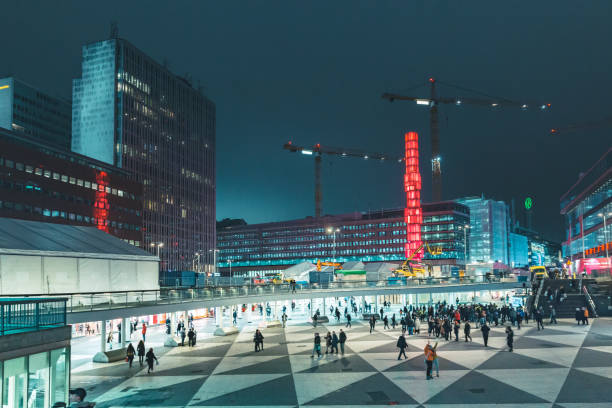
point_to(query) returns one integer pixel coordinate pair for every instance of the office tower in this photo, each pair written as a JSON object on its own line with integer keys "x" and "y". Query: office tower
{"x": 134, "y": 113}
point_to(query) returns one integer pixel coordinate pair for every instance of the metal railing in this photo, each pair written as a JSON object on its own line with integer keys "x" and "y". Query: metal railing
{"x": 589, "y": 300}
{"x": 84, "y": 302}
{"x": 27, "y": 314}
{"x": 538, "y": 294}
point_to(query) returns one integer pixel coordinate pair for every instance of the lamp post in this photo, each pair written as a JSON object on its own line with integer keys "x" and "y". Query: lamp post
{"x": 464, "y": 228}
{"x": 333, "y": 231}
{"x": 214, "y": 251}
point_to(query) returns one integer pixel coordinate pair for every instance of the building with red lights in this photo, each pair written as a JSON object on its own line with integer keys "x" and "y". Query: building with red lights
{"x": 377, "y": 236}
{"x": 44, "y": 183}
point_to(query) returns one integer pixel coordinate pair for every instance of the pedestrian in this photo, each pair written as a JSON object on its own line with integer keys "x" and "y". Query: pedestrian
{"x": 579, "y": 315}
{"x": 140, "y": 349}
{"x": 585, "y": 316}
{"x": 401, "y": 345}
{"x": 553, "y": 315}
{"x": 317, "y": 346}
{"x": 509, "y": 337}
{"x": 284, "y": 320}
{"x": 435, "y": 360}
{"x": 190, "y": 337}
{"x": 372, "y": 323}
{"x": 485, "y": 333}
{"x": 183, "y": 335}
{"x": 538, "y": 318}
{"x": 195, "y": 336}
{"x": 393, "y": 321}
{"x": 144, "y": 331}
{"x": 386, "y": 322}
{"x": 77, "y": 399}
{"x": 334, "y": 342}
{"x": 466, "y": 331}
{"x": 130, "y": 353}
{"x": 235, "y": 317}
{"x": 314, "y": 320}
{"x": 328, "y": 342}
{"x": 342, "y": 340}
{"x": 348, "y": 320}
{"x": 258, "y": 340}
{"x": 150, "y": 357}
{"x": 429, "y": 358}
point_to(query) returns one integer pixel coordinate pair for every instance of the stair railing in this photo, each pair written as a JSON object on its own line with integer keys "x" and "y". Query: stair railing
{"x": 537, "y": 296}
{"x": 589, "y": 300}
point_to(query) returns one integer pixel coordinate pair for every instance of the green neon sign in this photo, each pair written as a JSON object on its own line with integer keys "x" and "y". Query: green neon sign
{"x": 528, "y": 203}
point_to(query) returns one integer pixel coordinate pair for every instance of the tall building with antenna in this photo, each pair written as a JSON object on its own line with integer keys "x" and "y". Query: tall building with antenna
{"x": 132, "y": 112}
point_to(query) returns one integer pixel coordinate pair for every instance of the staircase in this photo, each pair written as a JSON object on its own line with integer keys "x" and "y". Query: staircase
{"x": 601, "y": 293}
{"x": 565, "y": 308}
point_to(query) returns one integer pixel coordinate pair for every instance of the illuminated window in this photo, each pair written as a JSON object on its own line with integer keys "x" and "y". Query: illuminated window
{"x": 47, "y": 174}
{"x": 64, "y": 178}
{"x": 28, "y": 169}
{"x": 38, "y": 172}
{"x": 56, "y": 176}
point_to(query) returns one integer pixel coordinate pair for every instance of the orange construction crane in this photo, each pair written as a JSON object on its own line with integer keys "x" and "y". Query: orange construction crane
{"x": 334, "y": 264}
{"x": 317, "y": 151}
{"x": 432, "y": 103}
{"x": 579, "y": 126}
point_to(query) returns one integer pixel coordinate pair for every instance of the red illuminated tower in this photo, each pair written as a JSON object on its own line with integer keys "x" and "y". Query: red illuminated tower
{"x": 413, "y": 216}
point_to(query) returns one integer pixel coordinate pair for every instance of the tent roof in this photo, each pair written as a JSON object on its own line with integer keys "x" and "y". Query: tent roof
{"x": 354, "y": 266}
{"x": 23, "y": 237}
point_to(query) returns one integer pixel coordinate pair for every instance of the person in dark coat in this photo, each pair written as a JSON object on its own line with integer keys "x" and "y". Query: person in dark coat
{"x": 190, "y": 336}
{"x": 140, "y": 348}
{"x": 130, "y": 353}
{"x": 342, "y": 340}
{"x": 509, "y": 338}
{"x": 150, "y": 357}
{"x": 334, "y": 342}
{"x": 402, "y": 344}
{"x": 372, "y": 323}
{"x": 317, "y": 346}
{"x": 466, "y": 331}
{"x": 258, "y": 338}
{"x": 456, "y": 329}
{"x": 485, "y": 333}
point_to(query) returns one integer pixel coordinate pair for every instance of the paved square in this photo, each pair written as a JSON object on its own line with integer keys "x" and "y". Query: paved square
{"x": 562, "y": 366}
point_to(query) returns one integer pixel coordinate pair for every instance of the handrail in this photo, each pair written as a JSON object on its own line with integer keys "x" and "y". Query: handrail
{"x": 589, "y": 300}
{"x": 537, "y": 297}
{"x": 81, "y": 302}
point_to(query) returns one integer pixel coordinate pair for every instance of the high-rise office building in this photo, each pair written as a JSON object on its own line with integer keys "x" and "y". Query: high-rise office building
{"x": 488, "y": 229}
{"x": 132, "y": 112}
{"x": 39, "y": 116}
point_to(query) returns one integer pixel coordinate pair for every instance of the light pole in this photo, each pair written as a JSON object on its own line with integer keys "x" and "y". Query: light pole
{"x": 333, "y": 231}
{"x": 214, "y": 251}
{"x": 158, "y": 245}
{"x": 464, "y": 228}
{"x": 230, "y": 271}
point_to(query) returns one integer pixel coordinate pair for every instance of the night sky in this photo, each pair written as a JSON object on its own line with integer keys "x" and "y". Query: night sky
{"x": 313, "y": 72}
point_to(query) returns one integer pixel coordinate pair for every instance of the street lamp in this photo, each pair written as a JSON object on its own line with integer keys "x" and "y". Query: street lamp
{"x": 214, "y": 251}
{"x": 333, "y": 231}
{"x": 464, "y": 228}
{"x": 158, "y": 245}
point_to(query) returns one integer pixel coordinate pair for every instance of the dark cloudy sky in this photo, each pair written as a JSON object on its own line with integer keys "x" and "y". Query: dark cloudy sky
{"x": 313, "y": 72}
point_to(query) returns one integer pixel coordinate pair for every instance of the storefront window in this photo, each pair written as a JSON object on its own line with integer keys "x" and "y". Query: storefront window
{"x": 38, "y": 380}
{"x": 14, "y": 386}
{"x": 59, "y": 376}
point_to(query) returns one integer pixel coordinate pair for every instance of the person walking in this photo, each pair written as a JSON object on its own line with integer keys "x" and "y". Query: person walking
{"x": 317, "y": 346}
{"x": 348, "y": 320}
{"x": 466, "y": 331}
{"x": 538, "y": 317}
{"x": 435, "y": 364}
{"x": 429, "y": 358}
{"x": 130, "y": 353}
{"x": 140, "y": 349}
{"x": 235, "y": 317}
{"x": 258, "y": 339}
{"x": 485, "y": 333}
{"x": 144, "y": 331}
{"x": 456, "y": 329}
{"x": 553, "y": 315}
{"x": 372, "y": 323}
{"x": 284, "y": 320}
{"x": 328, "y": 340}
{"x": 334, "y": 343}
{"x": 314, "y": 320}
{"x": 509, "y": 338}
{"x": 386, "y": 323}
{"x": 150, "y": 357}
{"x": 342, "y": 340}
{"x": 402, "y": 344}
{"x": 183, "y": 335}
{"x": 585, "y": 316}
{"x": 190, "y": 337}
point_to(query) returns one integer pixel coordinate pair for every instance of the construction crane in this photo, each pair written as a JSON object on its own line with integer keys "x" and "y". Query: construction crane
{"x": 580, "y": 126}
{"x": 433, "y": 101}
{"x": 318, "y": 151}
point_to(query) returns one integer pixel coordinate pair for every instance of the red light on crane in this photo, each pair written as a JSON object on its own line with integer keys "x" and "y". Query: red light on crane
{"x": 432, "y": 79}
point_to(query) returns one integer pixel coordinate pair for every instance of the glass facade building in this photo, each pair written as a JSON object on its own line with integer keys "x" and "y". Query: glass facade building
{"x": 369, "y": 237}
{"x": 34, "y": 113}
{"x": 42, "y": 183}
{"x": 488, "y": 230}
{"x": 519, "y": 250}
{"x": 34, "y": 353}
{"x": 131, "y": 112}
{"x": 587, "y": 206}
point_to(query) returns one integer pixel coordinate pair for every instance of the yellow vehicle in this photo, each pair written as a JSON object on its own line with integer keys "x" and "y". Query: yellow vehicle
{"x": 336, "y": 265}
{"x": 538, "y": 272}
{"x": 412, "y": 269}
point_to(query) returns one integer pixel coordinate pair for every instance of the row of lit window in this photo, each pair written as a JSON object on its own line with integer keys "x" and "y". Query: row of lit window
{"x": 46, "y": 212}
{"x": 64, "y": 178}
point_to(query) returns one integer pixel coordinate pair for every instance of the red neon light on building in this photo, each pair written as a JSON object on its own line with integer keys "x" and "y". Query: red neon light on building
{"x": 413, "y": 215}
{"x": 101, "y": 206}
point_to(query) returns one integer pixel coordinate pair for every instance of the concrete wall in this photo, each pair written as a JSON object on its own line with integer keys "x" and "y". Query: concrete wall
{"x": 25, "y": 343}
{"x": 28, "y": 274}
